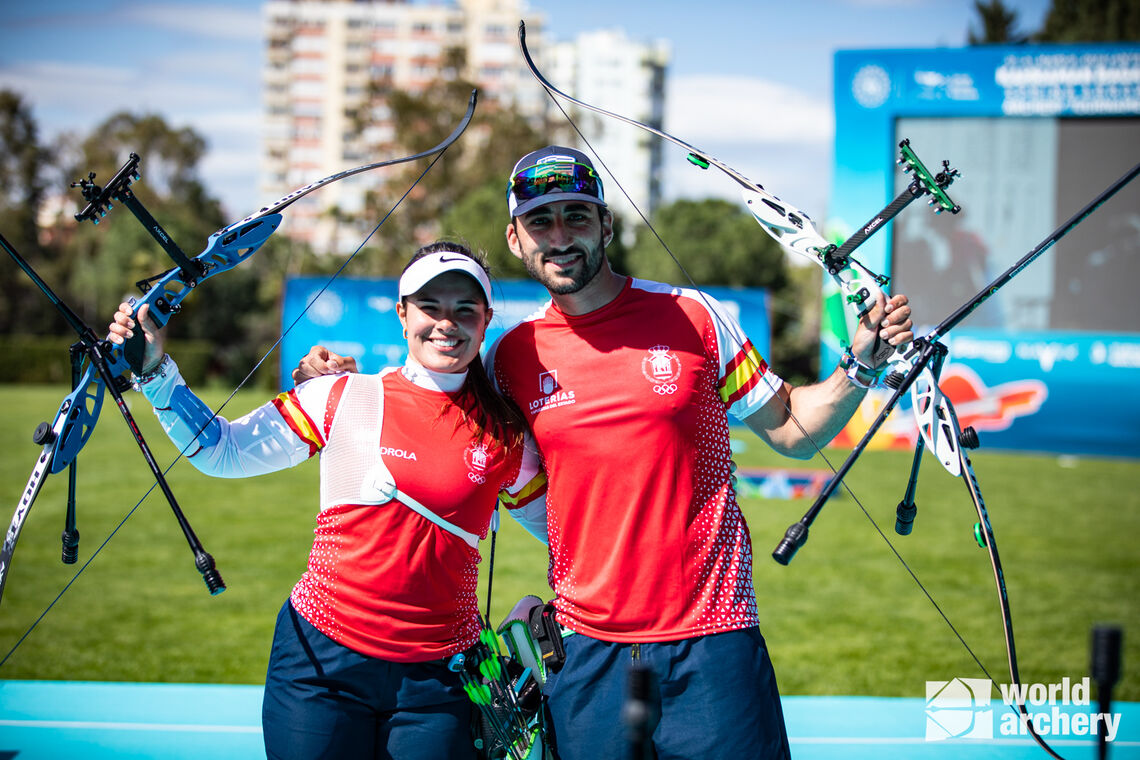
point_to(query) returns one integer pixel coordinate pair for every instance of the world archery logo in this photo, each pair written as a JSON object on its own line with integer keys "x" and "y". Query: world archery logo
{"x": 959, "y": 709}
{"x": 871, "y": 86}
{"x": 662, "y": 369}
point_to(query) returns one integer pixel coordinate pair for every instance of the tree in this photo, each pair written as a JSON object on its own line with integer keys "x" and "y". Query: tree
{"x": 1091, "y": 21}
{"x": 22, "y": 160}
{"x": 715, "y": 241}
{"x": 457, "y": 197}
{"x": 998, "y": 24}
{"x": 479, "y": 219}
{"x": 234, "y": 317}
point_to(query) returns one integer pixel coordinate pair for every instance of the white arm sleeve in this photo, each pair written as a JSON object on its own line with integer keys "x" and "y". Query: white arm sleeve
{"x": 258, "y": 443}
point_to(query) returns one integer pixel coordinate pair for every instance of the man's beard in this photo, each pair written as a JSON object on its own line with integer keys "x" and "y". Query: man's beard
{"x": 591, "y": 264}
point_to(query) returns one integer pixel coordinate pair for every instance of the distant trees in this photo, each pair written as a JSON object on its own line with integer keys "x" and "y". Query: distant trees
{"x": 93, "y": 268}
{"x": 457, "y": 198}
{"x": 462, "y": 196}
{"x": 998, "y": 24}
{"x": 1066, "y": 21}
{"x": 21, "y": 196}
{"x": 1091, "y": 21}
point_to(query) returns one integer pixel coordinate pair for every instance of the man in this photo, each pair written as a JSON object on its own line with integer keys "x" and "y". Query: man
{"x": 627, "y": 385}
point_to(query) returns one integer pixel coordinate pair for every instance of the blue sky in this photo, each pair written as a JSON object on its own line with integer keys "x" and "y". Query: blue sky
{"x": 749, "y": 81}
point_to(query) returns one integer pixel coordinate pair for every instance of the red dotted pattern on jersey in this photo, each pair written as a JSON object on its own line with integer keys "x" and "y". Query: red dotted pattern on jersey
{"x": 314, "y": 594}
{"x": 726, "y": 599}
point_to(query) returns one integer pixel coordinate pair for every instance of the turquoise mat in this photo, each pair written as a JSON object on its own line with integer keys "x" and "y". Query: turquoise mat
{"x": 47, "y": 720}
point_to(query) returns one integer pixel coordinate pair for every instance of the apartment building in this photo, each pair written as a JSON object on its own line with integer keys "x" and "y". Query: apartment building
{"x": 322, "y": 56}
{"x": 607, "y": 69}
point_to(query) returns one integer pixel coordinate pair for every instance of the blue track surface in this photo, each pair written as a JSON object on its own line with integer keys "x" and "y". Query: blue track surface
{"x": 46, "y": 720}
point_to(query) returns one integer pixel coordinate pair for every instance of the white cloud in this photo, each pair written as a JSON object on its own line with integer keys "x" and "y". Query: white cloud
{"x": 85, "y": 91}
{"x": 228, "y": 70}
{"x": 76, "y": 97}
{"x": 745, "y": 109}
{"x": 773, "y": 134}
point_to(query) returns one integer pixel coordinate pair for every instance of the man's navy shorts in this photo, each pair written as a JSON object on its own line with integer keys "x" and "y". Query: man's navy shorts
{"x": 718, "y": 699}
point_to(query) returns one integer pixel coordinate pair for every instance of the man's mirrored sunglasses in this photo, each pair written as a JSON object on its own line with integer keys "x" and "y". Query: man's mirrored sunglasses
{"x": 542, "y": 178}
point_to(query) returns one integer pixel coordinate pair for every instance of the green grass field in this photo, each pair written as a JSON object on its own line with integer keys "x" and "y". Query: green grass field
{"x": 844, "y": 618}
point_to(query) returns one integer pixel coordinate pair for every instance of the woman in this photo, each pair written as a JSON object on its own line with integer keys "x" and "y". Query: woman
{"x": 412, "y": 462}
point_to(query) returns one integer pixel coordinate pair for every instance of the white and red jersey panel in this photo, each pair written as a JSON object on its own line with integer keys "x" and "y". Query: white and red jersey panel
{"x": 382, "y": 579}
{"x": 628, "y": 405}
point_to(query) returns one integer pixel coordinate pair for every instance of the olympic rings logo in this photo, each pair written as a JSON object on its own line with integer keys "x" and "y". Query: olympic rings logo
{"x": 665, "y": 390}
{"x": 475, "y": 478}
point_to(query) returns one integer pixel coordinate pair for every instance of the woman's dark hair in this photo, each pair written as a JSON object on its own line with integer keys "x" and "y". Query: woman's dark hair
{"x": 482, "y": 407}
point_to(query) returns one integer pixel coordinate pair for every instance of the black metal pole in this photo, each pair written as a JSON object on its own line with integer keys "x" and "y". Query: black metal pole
{"x": 1107, "y": 641}
{"x": 70, "y": 536}
{"x": 905, "y": 198}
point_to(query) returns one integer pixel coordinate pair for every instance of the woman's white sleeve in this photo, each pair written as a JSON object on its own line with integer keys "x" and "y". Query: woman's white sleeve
{"x": 258, "y": 443}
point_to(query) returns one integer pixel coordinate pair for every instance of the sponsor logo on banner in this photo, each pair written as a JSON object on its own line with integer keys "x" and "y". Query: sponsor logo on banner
{"x": 976, "y": 405}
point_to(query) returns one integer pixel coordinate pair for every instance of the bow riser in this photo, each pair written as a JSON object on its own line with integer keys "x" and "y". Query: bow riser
{"x": 795, "y": 233}
{"x": 933, "y": 414}
{"x": 225, "y": 250}
{"x": 76, "y": 418}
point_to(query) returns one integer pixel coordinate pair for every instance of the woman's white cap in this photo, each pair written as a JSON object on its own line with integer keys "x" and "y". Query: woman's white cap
{"x": 426, "y": 268}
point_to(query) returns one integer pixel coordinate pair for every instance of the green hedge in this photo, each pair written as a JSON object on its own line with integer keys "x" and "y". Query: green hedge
{"x": 45, "y": 359}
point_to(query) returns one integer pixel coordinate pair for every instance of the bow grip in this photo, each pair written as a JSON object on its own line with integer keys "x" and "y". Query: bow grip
{"x": 882, "y": 351}
{"x": 134, "y": 350}
{"x": 134, "y": 347}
